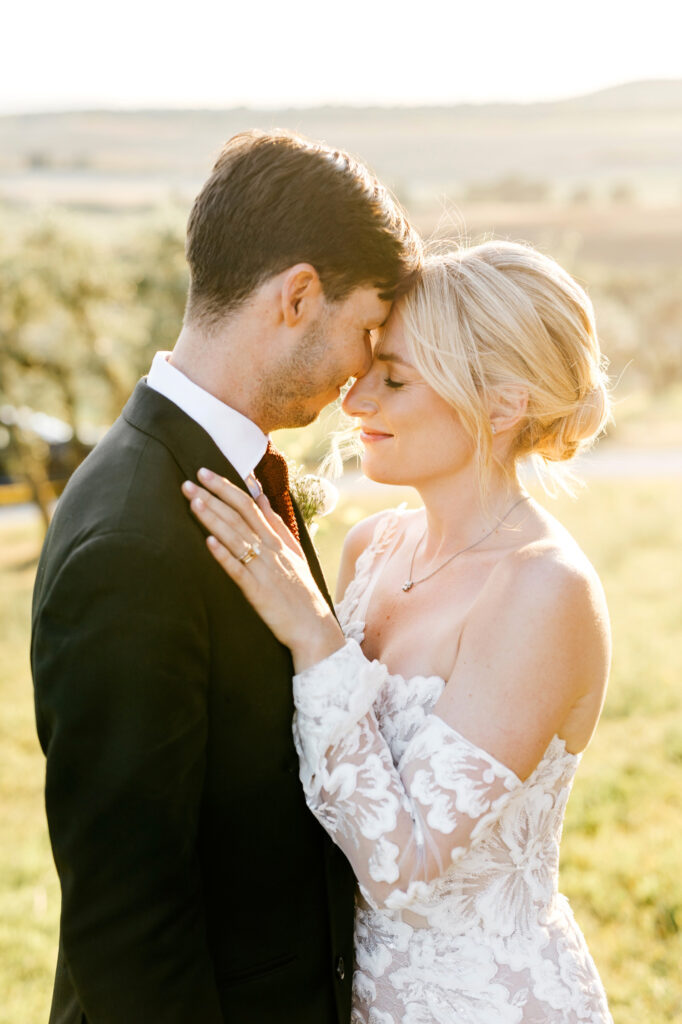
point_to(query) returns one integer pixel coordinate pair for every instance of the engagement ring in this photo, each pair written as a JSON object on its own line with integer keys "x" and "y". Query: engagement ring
{"x": 252, "y": 551}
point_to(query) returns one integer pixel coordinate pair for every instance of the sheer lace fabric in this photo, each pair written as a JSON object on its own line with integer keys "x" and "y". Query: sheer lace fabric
{"x": 458, "y": 915}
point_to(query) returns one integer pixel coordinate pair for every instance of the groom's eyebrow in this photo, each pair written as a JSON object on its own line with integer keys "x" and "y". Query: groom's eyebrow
{"x": 391, "y": 357}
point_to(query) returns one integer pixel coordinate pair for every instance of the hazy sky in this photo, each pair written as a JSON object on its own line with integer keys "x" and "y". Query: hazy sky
{"x": 79, "y": 53}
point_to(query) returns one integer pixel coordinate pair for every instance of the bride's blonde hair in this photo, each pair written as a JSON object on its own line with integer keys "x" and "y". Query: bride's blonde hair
{"x": 490, "y": 323}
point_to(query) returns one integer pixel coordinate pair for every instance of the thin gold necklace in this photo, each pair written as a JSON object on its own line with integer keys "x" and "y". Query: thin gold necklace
{"x": 410, "y": 582}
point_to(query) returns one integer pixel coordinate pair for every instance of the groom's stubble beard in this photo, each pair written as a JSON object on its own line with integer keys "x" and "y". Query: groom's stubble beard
{"x": 289, "y": 387}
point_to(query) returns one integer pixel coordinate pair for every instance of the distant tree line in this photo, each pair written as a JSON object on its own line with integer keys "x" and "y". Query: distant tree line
{"x": 517, "y": 188}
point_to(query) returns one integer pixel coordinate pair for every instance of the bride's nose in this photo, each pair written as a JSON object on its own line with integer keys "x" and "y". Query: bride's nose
{"x": 360, "y": 399}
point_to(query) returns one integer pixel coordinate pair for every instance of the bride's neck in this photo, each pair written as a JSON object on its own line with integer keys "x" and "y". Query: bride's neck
{"x": 455, "y": 514}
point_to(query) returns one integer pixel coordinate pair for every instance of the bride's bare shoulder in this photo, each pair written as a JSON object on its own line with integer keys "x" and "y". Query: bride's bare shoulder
{"x": 358, "y": 538}
{"x": 550, "y": 575}
{"x": 549, "y": 553}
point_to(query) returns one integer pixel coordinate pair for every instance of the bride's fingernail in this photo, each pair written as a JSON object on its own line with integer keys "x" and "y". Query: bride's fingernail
{"x": 188, "y": 487}
{"x": 205, "y": 474}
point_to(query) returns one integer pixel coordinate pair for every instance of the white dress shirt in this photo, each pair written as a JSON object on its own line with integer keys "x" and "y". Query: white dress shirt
{"x": 239, "y": 439}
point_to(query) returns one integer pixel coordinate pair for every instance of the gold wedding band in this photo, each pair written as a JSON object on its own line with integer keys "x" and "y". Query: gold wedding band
{"x": 252, "y": 551}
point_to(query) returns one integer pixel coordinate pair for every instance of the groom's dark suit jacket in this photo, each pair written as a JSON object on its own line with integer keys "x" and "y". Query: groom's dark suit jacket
{"x": 197, "y": 888}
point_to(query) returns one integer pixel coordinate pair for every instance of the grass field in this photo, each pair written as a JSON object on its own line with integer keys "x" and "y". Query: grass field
{"x": 622, "y": 849}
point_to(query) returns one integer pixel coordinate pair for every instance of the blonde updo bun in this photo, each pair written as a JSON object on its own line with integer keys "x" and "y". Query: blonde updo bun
{"x": 570, "y": 435}
{"x": 492, "y": 322}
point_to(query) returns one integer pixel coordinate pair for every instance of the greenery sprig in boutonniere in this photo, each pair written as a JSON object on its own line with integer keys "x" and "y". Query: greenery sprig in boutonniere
{"x": 314, "y": 495}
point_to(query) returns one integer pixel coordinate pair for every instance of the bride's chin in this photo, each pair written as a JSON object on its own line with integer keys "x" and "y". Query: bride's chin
{"x": 380, "y": 475}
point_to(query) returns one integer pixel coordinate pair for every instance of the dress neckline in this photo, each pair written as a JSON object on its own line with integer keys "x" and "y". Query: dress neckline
{"x": 353, "y": 610}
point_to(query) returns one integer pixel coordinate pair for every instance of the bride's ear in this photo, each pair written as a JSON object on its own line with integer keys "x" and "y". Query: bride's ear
{"x": 507, "y": 408}
{"x": 301, "y": 295}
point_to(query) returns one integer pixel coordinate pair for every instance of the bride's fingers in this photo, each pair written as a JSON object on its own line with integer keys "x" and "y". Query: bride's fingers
{"x": 235, "y": 535}
{"x": 236, "y": 570}
{"x": 268, "y": 512}
{"x": 278, "y": 525}
{"x": 234, "y": 498}
{"x": 245, "y": 518}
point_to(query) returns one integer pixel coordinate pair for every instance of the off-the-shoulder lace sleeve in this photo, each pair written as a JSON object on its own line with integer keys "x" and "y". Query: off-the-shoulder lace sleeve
{"x": 399, "y": 825}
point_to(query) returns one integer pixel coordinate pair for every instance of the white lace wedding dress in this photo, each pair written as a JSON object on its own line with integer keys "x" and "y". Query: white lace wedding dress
{"x": 458, "y": 919}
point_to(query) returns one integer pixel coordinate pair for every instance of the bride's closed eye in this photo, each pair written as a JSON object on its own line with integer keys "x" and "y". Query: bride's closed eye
{"x": 390, "y": 383}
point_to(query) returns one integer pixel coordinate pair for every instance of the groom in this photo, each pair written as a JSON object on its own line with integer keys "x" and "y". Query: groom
{"x": 196, "y": 886}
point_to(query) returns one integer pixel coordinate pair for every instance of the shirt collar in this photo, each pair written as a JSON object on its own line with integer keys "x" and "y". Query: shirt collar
{"x": 239, "y": 439}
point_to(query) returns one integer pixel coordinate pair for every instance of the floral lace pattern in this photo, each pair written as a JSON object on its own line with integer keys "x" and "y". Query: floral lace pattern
{"x": 458, "y": 918}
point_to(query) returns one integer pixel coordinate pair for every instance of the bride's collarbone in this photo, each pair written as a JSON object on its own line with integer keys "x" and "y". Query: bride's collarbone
{"x": 416, "y": 632}
{"x": 417, "y": 629}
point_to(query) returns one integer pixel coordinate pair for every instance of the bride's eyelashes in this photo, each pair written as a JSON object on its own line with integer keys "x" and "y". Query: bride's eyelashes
{"x": 390, "y": 383}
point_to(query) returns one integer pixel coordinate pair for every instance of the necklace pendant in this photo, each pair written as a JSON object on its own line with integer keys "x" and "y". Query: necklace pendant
{"x": 407, "y": 585}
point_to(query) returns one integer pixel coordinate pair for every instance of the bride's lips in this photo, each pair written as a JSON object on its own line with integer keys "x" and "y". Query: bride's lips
{"x": 369, "y": 436}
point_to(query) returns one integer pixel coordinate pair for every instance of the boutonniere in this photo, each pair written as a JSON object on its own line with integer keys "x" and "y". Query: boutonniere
{"x": 314, "y": 495}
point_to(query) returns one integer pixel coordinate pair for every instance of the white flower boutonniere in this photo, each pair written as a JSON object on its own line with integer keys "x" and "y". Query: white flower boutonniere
{"x": 314, "y": 495}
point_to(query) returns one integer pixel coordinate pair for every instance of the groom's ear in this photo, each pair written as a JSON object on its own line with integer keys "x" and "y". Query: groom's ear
{"x": 301, "y": 295}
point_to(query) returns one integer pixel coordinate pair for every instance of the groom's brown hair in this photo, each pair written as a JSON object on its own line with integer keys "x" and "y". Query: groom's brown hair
{"x": 276, "y": 199}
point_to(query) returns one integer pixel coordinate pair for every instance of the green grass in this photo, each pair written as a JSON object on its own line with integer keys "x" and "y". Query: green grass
{"x": 622, "y": 849}
{"x": 29, "y": 891}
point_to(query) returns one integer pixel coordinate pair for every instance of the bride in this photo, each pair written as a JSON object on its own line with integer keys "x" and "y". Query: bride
{"x": 440, "y": 732}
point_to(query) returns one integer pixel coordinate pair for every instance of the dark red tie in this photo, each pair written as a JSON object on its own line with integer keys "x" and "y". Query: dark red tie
{"x": 273, "y": 474}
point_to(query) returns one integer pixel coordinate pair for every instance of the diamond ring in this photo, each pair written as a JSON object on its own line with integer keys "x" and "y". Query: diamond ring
{"x": 252, "y": 551}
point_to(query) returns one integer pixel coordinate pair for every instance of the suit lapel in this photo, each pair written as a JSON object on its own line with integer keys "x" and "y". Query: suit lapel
{"x": 311, "y": 556}
{"x": 192, "y": 448}
{"x": 189, "y": 444}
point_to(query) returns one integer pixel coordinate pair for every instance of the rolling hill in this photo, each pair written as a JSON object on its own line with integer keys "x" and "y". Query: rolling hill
{"x": 629, "y": 135}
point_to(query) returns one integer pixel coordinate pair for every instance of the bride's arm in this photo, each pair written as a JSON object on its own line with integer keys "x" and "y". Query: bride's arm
{"x": 520, "y": 668}
{"x": 399, "y": 825}
{"x": 530, "y": 653}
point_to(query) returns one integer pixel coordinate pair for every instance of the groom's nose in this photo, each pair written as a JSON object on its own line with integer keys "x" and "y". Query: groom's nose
{"x": 365, "y": 362}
